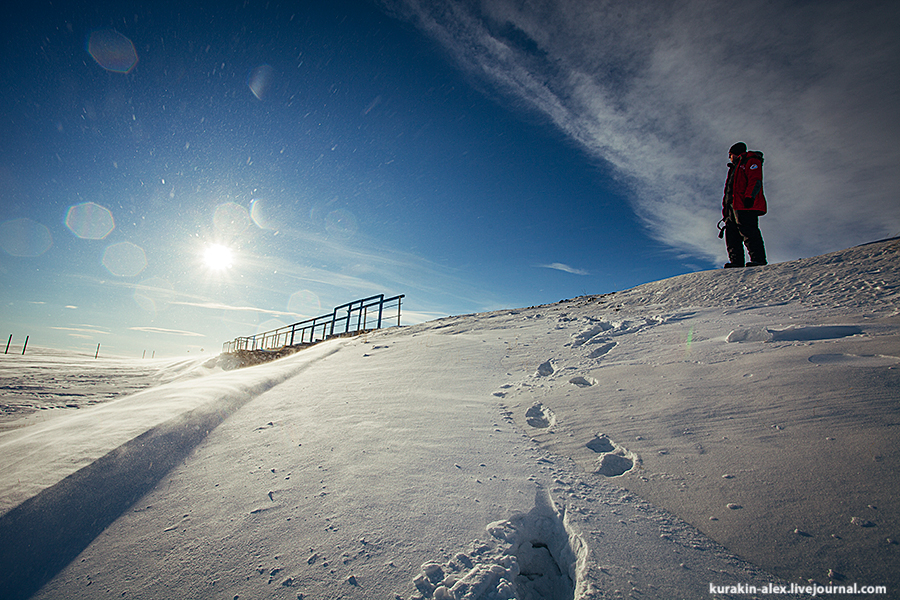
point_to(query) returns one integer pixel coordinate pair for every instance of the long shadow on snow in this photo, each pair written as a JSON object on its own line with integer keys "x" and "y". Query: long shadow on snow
{"x": 46, "y": 532}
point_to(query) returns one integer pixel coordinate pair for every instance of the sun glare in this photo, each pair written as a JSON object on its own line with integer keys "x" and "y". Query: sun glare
{"x": 217, "y": 257}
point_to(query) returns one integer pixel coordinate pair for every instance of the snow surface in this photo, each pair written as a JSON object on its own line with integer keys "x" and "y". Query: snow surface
{"x": 725, "y": 427}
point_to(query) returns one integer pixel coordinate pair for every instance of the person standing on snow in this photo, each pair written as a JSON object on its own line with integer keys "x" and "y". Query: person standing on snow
{"x": 742, "y": 206}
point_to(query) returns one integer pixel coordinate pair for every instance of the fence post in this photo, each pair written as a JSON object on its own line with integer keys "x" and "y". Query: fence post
{"x": 25, "y": 345}
{"x": 8, "y": 343}
{"x": 96, "y": 354}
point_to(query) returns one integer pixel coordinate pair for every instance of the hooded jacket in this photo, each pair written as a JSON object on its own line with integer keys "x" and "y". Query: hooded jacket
{"x": 744, "y": 185}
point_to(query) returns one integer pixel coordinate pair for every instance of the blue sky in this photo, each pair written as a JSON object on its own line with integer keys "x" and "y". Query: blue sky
{"x": 471, "y": 156}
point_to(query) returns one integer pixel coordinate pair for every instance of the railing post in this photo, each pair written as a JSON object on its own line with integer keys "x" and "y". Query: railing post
{"x": 282, "y": 337}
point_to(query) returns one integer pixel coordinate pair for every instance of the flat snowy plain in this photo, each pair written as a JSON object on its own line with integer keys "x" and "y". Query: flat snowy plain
{"x": 731, "y": 427}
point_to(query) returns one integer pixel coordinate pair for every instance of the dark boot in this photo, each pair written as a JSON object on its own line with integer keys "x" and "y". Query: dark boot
{"x": 756, "y": 249}
{"x": 748, "y": 226}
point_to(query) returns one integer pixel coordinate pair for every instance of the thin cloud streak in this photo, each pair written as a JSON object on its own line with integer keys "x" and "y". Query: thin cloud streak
{"x": 218, "y": 306}
{"x": 660, "y": 93}
{"x": 92, "y": 330}
{"x": 565, "y": 268}
{"x": 167, "y": 331}
{"x": 369, "y": 266}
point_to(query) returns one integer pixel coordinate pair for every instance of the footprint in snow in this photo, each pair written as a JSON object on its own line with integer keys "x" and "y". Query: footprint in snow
{"x": 530, "y": 555}
{"x": 502, "y": 392}
{"x": 614, "y": 459}
{"x": 583, "y": 381}
{"x": 545, "y": 369}
{"x": 539, "y": 416}
{"x": 590, "y": 333}
{"x": 602, "y": 350}
{"x": 601, "y": 444}
{"x": 613, "y": 465}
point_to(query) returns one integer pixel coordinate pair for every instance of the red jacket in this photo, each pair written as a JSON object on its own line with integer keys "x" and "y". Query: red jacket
{"x": 746, "y": 182}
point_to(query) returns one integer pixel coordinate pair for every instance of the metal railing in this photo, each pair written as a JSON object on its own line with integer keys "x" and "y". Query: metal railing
{"x": 353, "y": 317}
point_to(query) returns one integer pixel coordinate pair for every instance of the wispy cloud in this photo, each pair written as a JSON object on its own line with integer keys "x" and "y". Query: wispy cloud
{"x": 565, "y": 268}
{"x": 660, "y": 91}
{"x": 365, "y": 265}
{"x": 218, "y": 306}
{"x": 85, "y": 329}
{"x": 167, "y": 331}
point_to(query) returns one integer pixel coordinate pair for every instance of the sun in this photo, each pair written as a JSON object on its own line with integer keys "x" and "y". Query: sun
{"x": 217, "y": 257}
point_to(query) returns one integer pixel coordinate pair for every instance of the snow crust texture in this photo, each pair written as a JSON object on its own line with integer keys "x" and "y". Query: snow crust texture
{"x": 625, "y": 445}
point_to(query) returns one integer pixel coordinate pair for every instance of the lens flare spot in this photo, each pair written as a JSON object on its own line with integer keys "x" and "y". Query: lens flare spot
{"x": 90, "y": 221}
{"x": 270, "y": 325}
{"x": 304, "y": 302}
{"x": 265, "y": 215}
{"x": 112, "y": 50}
{"x": 218, "y": 257}
{"x": 124, "y": 259}
{"x": 24, "y": 238}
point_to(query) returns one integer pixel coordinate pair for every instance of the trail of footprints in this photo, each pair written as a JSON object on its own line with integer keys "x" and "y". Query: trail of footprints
{"x": 594, "y": 342}
{"x": 532, "y": 556}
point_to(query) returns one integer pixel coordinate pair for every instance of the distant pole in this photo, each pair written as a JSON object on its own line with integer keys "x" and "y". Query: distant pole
{"x": 153, "y": 355}
{"x": 98, "y": 351}
{"x": 25, "y": 345}
{"x": 144, "y": 355}
{"x": 8, "y": 343}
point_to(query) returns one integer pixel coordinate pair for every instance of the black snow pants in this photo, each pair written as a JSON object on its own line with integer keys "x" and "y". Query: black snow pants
{"x": 742, "y": 229}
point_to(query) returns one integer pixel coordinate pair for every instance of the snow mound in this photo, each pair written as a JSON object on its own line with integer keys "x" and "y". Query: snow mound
{"x": 794, "y": 334}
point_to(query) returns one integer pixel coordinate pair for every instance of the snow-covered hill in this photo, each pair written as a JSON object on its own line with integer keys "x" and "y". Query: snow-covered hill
{"x": 719, "y": 428}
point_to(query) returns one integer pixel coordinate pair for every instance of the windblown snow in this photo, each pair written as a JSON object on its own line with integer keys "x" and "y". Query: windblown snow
{"x": 732, "y": 427}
